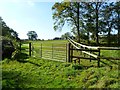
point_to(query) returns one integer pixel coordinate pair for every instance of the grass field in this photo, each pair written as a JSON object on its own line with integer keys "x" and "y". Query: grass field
{"x": 34, "y": 72}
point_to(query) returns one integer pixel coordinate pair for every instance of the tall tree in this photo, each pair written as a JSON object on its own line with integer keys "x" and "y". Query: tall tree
{"x": 66, "y": 35}
{"x": 108, "y": 15}
{"x": 66, "y": 12}
{"x": 32, "y": 35}
{"x": 117, "y": 20}
{"x": 91, "y": 18}
{"x": 88, "y": 19}
{"x": 7, "y": 31}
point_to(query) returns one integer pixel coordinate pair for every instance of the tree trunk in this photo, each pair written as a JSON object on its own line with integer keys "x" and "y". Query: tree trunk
{"x": 97, "y": 40}
{"x": 118, "y": 29}
{"x": 78, "y": 22}
{"x": 109, "y": 37}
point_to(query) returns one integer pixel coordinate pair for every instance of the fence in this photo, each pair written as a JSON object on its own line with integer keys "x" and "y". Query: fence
{"x": 93, "y": 53}
{"x": 27, "y": 47}
{"x": 56, "y": 52}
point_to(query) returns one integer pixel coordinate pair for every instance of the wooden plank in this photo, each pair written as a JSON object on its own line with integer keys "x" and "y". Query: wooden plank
{"x": 111, "y": 58}
{"x": 89, "y": 47}
{"x": 79, "y": 57}
{"x": 59, "y": 51}
{"x": 54, "y": 59}
{"x": 95, "y": 56}
{"x": 81, "y": 49}
{"x": 109, "y": 48}
{"x": 94, "y": 47}
{"x": 57, "y": 55}
{"x": 59, "y": 47}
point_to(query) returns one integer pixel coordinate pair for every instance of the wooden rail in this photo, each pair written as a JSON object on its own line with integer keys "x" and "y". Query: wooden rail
{"x": 89, "y": 50}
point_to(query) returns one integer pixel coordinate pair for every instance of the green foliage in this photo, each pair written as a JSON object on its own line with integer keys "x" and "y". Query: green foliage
{"x": 32, "y": 35}
{"x": 91, "y": 20}
{"x": 39, "y": 73}
{"x": 66, "y": 35}
{"x": 33, "y": 72}
{"x": 8, "y": 32}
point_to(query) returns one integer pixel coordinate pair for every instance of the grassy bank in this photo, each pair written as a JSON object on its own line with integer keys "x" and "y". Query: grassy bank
{"x": 39, "y": 73}
{"x": 34, "y": 72}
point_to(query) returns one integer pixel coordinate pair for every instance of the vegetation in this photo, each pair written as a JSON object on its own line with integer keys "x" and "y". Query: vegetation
{"x": 9, "y": 40}
{"x": 92, "y": 23}
{"x": 66, "y": 35}
{"x": 34, "y": 72}
{"x": 94, "y": 19}
{"x": 32, "y": 35}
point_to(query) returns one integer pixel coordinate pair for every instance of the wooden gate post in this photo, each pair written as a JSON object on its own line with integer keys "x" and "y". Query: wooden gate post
{"x": 99, "y": 58}
{"x": 69, "y": 52}
{"x": 71, "y": 55}
{"x": 90, "y": 56}
{"x": 66, "y": 52}
{"x": 30, "y": 49}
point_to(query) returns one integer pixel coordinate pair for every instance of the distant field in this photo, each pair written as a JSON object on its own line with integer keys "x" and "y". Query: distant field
{"x": 34, "y": 72}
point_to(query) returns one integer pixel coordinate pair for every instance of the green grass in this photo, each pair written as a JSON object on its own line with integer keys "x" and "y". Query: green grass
{"x": 34, "y": 72}
{"x": 40, "y": 73}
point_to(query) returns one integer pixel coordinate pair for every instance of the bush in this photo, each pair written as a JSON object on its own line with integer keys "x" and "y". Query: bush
{"x": 7, "y": 49}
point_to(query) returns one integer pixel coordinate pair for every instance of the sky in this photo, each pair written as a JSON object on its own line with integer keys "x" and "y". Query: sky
{"x": 30, "y": 15}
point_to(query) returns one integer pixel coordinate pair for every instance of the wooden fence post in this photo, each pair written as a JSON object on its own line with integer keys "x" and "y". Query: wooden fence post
{"x": 66, "y": 52}
{"x": 90, "y": 56}
{"x": 69, "y": 52}
{"x": 99, "y": 58}
{"x": 30, "y": 49}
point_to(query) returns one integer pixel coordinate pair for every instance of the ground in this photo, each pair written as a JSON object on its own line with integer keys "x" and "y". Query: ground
{"x": 34, "y": 72}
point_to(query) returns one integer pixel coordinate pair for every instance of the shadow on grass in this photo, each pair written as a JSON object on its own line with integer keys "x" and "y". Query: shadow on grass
{"x": 34, "y": 63}
{"x": 21, "y": 57}
{"x": 13, "y": 79}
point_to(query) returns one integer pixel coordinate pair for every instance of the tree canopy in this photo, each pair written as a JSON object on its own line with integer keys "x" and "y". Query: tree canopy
{"x": 32, "y": 35}
{"x": 99, "y": 21}
{"x": 8, "y": 32}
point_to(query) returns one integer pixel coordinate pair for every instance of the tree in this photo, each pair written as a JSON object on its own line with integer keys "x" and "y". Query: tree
{"x": 117, "y": 19}
{"x": 66, "y": 12}
{"x": 88, "y": 20}
{"x": 66, "y": 35}
{"x": 32, "y": 35}
{"x": 92, "y": 19}
{"x": 9, "y": 38}
{"x": 108, "y": 16}
{"x": 7, "y": 31}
